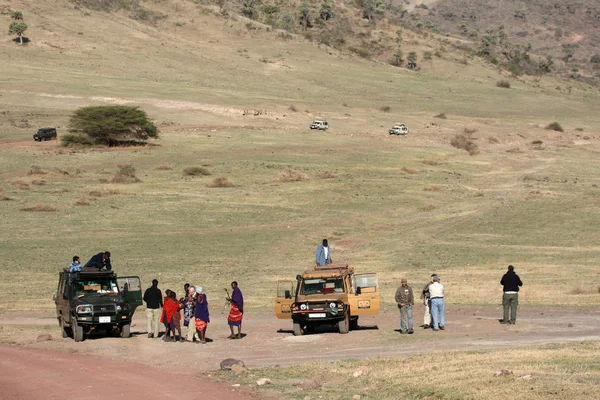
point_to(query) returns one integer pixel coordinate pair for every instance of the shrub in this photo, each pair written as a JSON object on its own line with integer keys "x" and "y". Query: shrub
{"x": 292, "y": 176}
{"x": 76, "y": 140}
{"x": 579, "y": 129}
{"x": 36, "y": 170}
{"x": 105, "y": 192}
{"x": 221, "y": 181}
{"x": 38, "y": 207}
{"x": 293, "y": 108}
{"x": 427, "y": 55}
{"x": 39, "y": 182}
{"x": 82, "y": 202}
{"x": 125, "y": 174}
{"x": 196, "y": 171}
{"x": 163, "y": 167}
{"x": 326, "y": 175}
{"x": 555, "y": 126}
{"x": 385, "y": 109}
{"x": 432, "y": 161}
{"x": 503, "y": 83}
{"x": 537, "y": 145}
{"x": 441, "y": 116}
{"x": 465, "y": 143}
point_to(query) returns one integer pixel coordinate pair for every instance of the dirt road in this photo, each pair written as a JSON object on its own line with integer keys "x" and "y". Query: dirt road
{"x": 27, "y": 373}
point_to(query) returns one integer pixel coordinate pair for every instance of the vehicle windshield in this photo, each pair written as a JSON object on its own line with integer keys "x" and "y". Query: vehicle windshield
{"x": 96, "y": 286}
{"x": 322, "y": 285}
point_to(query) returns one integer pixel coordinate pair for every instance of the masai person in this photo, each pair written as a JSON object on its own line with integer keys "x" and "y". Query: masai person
{"x": 154, "y": 304}
{"x": 202, "y": 317}
{"x": 237, "y": 311}
{"x": 427, "y": 303}
{"x": 75, "y": 265}
{"x": 100, "y": 261}
{"x": 170, "y": 307}
{"x": 323, "y": 254}
{"x": 436, "y": 291}
{"x": 177, "y": 317}
{"x": 189, "y": 313}
{"x": 510, "y": 300}
{"x": 405, "y": 299}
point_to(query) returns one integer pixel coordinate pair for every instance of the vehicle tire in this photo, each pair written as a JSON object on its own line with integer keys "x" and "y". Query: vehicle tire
{"x": 310, "y": 328}
{"x": 298, "y": 330}
{"x": 354, "y": 324}
{"x": 126, "y": 331}
{"x": 78, "y": 334}
{"x": 63, "y": 328}
{"x": 344, "y": 325}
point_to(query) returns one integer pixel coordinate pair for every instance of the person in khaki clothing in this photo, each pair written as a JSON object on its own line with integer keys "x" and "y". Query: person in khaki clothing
{"x": 405, "y": 299}
{"x": 154, "y": 304}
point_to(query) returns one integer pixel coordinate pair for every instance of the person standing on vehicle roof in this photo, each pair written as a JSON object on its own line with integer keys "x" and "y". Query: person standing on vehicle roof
{"x": 323, "y": 254}
{"x": 154, "y": 304}
{"x": 406, "y": 300}
{"x": 100, "y": 261}
{"x": 510, "y": 298}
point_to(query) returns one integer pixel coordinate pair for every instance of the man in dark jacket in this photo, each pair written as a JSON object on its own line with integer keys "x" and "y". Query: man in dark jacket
{"x": 405, "y": 299}
{"x": 154, "y": 304}
{"x": 100, "y": 261}
{"x": 510, "y": 299}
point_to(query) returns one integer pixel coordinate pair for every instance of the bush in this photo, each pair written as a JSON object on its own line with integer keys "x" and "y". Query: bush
{"x": 36, "y": 170}
{"x": 385, "y": 109}
{"x": 221, "y": 181}
{"x": 291, "y": 176}
{"x": 164, "y": 167}
{"x": 196, "y": 171}
{"x": 126, "y": 174}
{"x": 111, "y": 124}
{"x": 76, "y": 140}
{"x": 555, "y": 126}
{"x": 82, "y": 202}
{"x": 503, "y": 83}
{"x": 464, "y": 143}
{"x": 326, "y": 175}
{"x": 441, "y": 116}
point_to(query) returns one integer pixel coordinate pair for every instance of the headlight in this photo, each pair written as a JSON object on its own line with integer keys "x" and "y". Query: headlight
{"x": 332, "y": 305}
{"x": 304, "y": 306}
{"x": 118, "y": 308}
{"x": 84, "y": 309}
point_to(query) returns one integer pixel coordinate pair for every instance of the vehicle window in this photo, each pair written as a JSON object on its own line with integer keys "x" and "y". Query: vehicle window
{"x": 96, "y": 286}
{"x": 322, "y": 285}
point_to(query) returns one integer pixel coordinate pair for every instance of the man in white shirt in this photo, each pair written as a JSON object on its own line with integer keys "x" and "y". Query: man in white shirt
{"x": 436, "y": 293}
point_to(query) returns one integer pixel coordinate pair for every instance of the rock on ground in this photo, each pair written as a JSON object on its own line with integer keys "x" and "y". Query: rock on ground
{"x": 263, "y": 381}
{"x": 230, "y": 362}
{"x": 43, "y": 338}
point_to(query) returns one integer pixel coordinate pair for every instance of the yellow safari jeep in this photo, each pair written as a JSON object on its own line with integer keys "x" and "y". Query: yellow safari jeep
{"x": 327, "y": 295}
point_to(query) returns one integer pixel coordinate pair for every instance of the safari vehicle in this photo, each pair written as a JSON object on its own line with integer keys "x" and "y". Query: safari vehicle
{"x": 327, "y": 295}
{"x": 399, "y": 129}
{"x": 45, "y": 134}
{"x": 319, "y": 125}
{"x": 95, "y": 300}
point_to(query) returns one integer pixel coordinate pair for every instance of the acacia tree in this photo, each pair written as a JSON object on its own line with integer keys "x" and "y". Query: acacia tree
{"x": 111, "y": 124}
{"x": 398, "y": 57}
{"x": 304, "y": 16}
{"x": 17, "y": 28}
{"x": 412, "y": 60}
{"x": 17, "y": 15}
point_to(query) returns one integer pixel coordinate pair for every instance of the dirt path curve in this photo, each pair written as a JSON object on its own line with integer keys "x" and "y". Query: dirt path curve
{"x": 27, "y": 373}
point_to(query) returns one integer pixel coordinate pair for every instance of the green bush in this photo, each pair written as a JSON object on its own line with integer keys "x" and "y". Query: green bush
{"x": 555, "y": 126}
{"x": 196, "y": 171}
{"x": 76, "y": 140}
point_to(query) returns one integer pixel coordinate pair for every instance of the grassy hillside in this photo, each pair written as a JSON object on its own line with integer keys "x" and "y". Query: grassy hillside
{"x": 237, "y": 100}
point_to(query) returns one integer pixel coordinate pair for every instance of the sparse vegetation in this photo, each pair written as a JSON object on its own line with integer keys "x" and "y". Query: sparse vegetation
{"x": 220, "y": 182}
{"x": 465, "y": 143}
{"x": 555, "y": 126}
{"x": 163, "y": 167}
{"x": 196, "y": 171}
{"x": 326, "y": 175}
{"x": 82, "y": 202}
{"x": 36, "y": 170}
{"x": 410, "y": 171}
{"x": 441, "y": 116}
{"x": 503, "y": 83}
{"x": 38, "y": 207}
{"x": 125, "y": 174}
{"x": 293, "y": 108}
{"x": 76, "y": 140}
{"x": 385, "y": 109}
{"x": 292, "y": 176}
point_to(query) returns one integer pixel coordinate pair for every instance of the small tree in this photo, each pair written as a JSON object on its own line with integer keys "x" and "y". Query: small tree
{"x": 110, "y": 124}
{"x": 304, "y": 16}
{"x": 17, "y": 15}
{"x": 412, "y": 60}
{"x": 326, "y": 12}
{"x": 17, "y": 28}
{"x": 398, "y": 57}
{"x": 249, "y": 10}
{"x": 595, "y": 59}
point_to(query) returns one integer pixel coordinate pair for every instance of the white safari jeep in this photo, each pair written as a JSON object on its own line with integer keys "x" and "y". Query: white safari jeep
{"x": 320, "y": 125}
{"x": 399, "y": 129}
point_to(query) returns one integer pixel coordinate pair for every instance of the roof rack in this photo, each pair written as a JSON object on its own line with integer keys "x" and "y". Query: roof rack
{"x": 330, "y": 266}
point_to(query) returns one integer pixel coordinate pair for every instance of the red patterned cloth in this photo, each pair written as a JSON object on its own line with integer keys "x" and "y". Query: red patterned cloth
{"x": 235, "y": 316}
{"x": 201, "y": 325}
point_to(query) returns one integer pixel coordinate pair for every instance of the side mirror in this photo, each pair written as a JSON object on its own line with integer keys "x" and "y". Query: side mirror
{"x": 358, "y": 290}
{"x": 298, "y": 277}
{"x": 288, "y": 294}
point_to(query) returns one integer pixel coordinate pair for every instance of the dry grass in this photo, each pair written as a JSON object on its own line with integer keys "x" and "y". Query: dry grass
{"x": 434, "y": 188}
{"x": 577, "y": 290}
{"x": 38, "y": 207}
{"x": 410, "y": 171}
{"x": 465, "y": 143}
{"x": 293, "y": 108}
{"x": 441, "y": 116}
{"x": 38, "y": 182}
{"x": 429, "y": 207}
{"x": 106, "y": 192}
{"x": 164, "y": 167}
{"x": 568, "y": 371}
{"x": 385, "y": 109}
{"x": 6, "y": 198}
{"x": 326, "y": 175}
{"x": 433, "y": 161}
{"x": 514, "y": 150}
{"x": 196, "y": 171}
{"x": 82, "y": 202}
{"x": 22, "y": 184}
{"x": 291, "y": 176}
{"x": 221, "y": 182}
{"x": 469, "y": 131}
{"x": 493, "y": 140}
{"x": 36, "y": 170}
{"x": 125, "y": 175}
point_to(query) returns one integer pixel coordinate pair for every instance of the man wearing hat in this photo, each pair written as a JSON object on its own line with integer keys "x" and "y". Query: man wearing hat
{"x": 405, "y": 300}
{"x": 436, "y": 293}
{"x": 190, "y": 310}
{"x": 510, "y": 299}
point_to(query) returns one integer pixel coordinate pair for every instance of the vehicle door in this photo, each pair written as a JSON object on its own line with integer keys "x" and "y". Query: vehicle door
{"x": 364, "y": 298}
{"x": 130, "y": 288}
{"x": 63, "y": 297}
{"x": 284, "y": 299}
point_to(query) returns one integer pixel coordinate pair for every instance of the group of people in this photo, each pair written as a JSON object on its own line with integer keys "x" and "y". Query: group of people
{"x": 433, "y": 299}
{"x": 100, "y": 261}
{"x": 194, "y": 308}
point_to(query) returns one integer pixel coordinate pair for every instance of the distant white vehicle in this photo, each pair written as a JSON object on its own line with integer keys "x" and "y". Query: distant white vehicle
{"x": 399, "y": 129}
{"x": 319, "y": 125}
